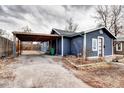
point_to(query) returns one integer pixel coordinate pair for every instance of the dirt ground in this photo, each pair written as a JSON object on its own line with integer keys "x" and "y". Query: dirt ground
{"x": 101, "y": 75}
{"x": 37, "y": 71}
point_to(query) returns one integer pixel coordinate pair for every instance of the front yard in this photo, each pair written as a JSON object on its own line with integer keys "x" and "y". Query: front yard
{"x": 48, "y": 71}
{"x": 100, "y": 74}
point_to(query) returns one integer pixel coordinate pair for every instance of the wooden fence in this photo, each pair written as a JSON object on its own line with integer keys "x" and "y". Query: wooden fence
{"x": 6, "y": 47}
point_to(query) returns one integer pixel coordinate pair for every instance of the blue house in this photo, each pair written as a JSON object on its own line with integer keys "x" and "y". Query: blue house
{"x": 93, "y": 43}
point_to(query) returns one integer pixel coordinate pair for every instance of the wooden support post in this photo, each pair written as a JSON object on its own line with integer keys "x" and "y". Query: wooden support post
{"x": 18, "y": 47}
{"x": 14, "y": 45}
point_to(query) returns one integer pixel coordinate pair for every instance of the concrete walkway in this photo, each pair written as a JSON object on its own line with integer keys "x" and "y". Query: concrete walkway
{"x": 42, "y": 71}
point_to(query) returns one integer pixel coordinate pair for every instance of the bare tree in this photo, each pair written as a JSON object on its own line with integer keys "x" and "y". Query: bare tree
{"x": 2, "y": 32}
{"x": 116, "y": 19}
{"x": 110, "y": 17}
{"x": 71, "y": 26}
{"x": 5, "y": 33}
{"x": 26, "y": 29}
{"x": 102, "y": 15}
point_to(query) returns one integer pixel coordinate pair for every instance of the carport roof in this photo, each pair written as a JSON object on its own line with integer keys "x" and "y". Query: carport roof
{"x": 25, "y": 36}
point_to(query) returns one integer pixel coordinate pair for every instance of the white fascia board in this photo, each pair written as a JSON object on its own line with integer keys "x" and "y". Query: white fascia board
{"x": 56, "y": 31}
{"x": 92, "y": 30}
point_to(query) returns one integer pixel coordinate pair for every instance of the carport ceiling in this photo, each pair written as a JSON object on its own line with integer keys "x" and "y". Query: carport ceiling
{"x": 24, "y": 36}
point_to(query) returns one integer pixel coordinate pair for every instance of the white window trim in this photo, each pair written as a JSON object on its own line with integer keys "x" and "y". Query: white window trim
{"x": 103, "y": 45}
{"x": 94, "y": 40}
{"x": 117, "y": 47}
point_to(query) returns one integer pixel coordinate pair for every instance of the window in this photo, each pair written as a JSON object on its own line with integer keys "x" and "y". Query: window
{"x": 94, "y": 44}
{"x": 119, "y": 47}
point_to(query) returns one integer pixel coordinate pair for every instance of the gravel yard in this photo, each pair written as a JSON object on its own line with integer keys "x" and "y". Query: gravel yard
{"x": 36, "y": 72}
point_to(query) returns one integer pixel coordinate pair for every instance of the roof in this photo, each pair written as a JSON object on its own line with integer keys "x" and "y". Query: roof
{"x": 23, "y": 36}
{"x": 105, "y": 29}
{"x": 63, "y": 32}
{"x": 71, "y": 34}
{"x": 2, "y": 36}
{"x": 120, "y": 39}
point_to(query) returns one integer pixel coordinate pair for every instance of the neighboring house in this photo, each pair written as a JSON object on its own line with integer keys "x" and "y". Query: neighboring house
{"x": 119, "y": 46}
{"x": 44, "y": 47}
{"x": 92, "y": 43}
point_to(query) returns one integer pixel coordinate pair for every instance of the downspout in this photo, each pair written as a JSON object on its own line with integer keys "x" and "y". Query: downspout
{"x": 62, "y": 46}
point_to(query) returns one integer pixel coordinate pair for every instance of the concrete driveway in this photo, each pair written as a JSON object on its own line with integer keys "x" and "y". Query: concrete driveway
{"x": 32, "y": 71}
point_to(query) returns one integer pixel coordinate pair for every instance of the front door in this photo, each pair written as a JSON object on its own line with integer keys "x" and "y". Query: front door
{"x": 100, "y": 46}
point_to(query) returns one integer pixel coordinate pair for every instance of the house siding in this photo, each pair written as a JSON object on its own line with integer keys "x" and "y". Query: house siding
{"x": 67, "y": 46}
{"x": 58, "y": 45}
{"x": 107, "y": 43}
{"x": 74, "y": 45}
{"x": 119, "y": 52}
{"x": 77, "y": 45}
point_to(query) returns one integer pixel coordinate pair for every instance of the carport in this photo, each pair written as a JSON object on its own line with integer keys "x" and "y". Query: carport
{"x": 19, "y": 37}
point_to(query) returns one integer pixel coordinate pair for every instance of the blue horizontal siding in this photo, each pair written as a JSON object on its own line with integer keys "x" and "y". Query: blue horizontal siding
{"x": 107, "y": 43}
{"x": 59, "y": 46}
{"x": 76, "y": 45}
{"x": 67, "y": 46}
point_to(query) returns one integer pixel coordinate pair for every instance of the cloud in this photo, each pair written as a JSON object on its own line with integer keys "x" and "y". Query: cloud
{"x": 43, "y": 18}
{"x": 77, "y": 7}
{"x": 8, "y": 11}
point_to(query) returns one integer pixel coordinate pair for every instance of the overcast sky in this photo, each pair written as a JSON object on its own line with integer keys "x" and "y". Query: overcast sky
{"x": 43, "y": 18}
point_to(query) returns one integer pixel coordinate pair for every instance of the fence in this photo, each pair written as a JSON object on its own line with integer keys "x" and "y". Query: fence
{"x": 6, "y": 47}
